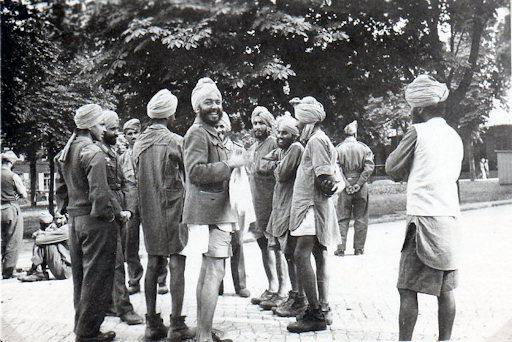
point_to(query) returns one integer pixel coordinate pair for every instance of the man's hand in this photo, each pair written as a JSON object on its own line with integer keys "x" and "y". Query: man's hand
{"x": 356, "y": 188}
{"x": 238, "y": 160}
{"x": 124, "y": 216}
{"x": 327, "y": 185}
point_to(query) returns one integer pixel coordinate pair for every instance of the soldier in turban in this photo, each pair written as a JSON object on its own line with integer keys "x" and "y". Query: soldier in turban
{"x": 94, "y": 214}
{"x": 158, "y": 164}
{"x": 429, "y": 158}
{"x": 313, "y": 215}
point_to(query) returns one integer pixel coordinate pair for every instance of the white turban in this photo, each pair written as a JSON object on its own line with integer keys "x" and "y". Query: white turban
{"x": 45, "y": 217}
{"x": 225, "y": 121}
{"x": 85, "y": 117}
{"x": 203, "y": 87}
{"x": 111, "y": 119}
{"x": 162, "y": 105}
{"x": 10, "y": 156}
{"x": 132, "y": 124}
{"x": 265, "y": 115}
{"x": 425, "y": 91}
{"x": 288, "y": 123}
{"x": 308, "y": 110}
{"x": 351, "y": 128}
{"x": 88, "y": 116}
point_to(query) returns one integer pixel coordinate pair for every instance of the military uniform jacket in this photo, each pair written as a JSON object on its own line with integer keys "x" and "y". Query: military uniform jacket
{"x": 82, "y": 187}
{"x": 158, "y": 160}
{"x": 355, "y": 160}
{"x": 207, "y": 183}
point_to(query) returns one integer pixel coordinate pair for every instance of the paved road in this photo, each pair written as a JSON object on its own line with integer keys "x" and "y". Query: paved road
{"x": 363, "y": 294}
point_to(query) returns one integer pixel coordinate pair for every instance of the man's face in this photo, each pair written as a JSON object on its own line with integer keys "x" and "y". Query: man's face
{"x": 259, "y": 128}
{"x": 284, "y": 139}
{"x": 221, "y": 130}
{"x": 131, "y": 135}
{"x": 110, "y": 135}
{"x": 210, "y": 108}
{"x": 97, "y": 131}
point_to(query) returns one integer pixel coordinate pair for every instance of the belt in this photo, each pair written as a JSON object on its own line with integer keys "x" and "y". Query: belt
{"x": 352, "y": 174}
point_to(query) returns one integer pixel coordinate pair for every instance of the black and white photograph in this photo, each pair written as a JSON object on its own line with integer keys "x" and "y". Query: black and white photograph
{"x": 256, "y": 170}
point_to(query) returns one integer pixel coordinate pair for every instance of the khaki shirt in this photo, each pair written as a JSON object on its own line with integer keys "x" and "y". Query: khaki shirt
{"x": 355, "y": 160}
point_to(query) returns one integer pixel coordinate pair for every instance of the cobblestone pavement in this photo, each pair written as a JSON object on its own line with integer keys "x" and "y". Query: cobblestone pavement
{"x": 363, "y": 294}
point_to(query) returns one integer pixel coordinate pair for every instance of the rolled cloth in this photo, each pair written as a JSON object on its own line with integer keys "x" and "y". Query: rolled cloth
{"x": 308, "y": 110}
{"x": 225, "y": 121}
{"x": 111, "y": 119}
{"x": 351, "y": 128}
{"x": 85, "y": 117}
{"x": 45, "y": 217}
{"x": 162, "y": 105}
{"x": 203, "y": 87}
{"x": 265, "y": 115}
{"x": 425, "y": 91}
{"x": 132, "y": 124}
{"x": 10, "y": 156}
{"x": 288, "y": 123}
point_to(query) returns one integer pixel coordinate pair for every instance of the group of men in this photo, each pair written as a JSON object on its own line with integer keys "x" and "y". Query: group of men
{"x": 181, "y": 190}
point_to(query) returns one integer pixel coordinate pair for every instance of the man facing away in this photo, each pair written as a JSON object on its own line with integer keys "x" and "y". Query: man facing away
{"x": 313, "y": 214}
{"x": 207, "y": 211}
{"x": 429, "y": 157}
{"x": 262, "y": 189}
{"x": 83, "y": 192}
{"x": 356, "y": 163}
{"x": 158, "y": 160}
{"x": 121, "y": 305}
{"x": 12, "y": 219}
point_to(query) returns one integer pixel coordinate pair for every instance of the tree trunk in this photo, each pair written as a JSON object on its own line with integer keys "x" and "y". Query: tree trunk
{"x": 471, "y": 159}
{"x": 33, "y": 179}
{"x": 51, "y": 192}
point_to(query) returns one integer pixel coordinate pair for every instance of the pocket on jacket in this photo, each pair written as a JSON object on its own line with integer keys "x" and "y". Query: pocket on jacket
{"x": 171, "y": 196}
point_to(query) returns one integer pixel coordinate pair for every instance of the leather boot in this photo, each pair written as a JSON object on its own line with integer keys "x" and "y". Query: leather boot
{"x": 178, "y": 330}
{"x": 155, "y": 328}
{"x": 312, "y": 320}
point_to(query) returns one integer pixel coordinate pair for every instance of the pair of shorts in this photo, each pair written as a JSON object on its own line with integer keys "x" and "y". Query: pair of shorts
{"x": 208, "y": 240}
{"x": 285, "y": 243}
{"x": 414, "y": 275}
{"x": 307, "y": 227}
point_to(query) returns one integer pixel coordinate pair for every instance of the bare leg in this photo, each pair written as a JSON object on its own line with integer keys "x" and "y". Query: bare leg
{"x": 292, "y": 272}
{"x": 177, "y": 282}
{"x": 302, "y": 256}
{"x": 208, "y": 294}
{"x": 322, "y": 273}
{"x": 446, "y": 314}
{"x": 408, "y": 314}
{"x": 150, "y": 282}
{"x": 282, "y": 270}
{"x": 269, "y": 264}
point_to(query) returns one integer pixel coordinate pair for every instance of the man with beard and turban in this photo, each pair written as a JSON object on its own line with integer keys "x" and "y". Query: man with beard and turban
{"x": 356, "y": 163}
{"x": 94, "y": 214}
{"x": 120, "y": 300}
{"x": 429, "y": 158}
{"x": 313, "y": 214}
{"x": 207, "y": 211}
{"x": 130, "y": 234}
{"x": 223, "y": 128}
{"x": 12, "y": 219}
{"x": 262, "y": 188}
{"x": 158, "y": 160}
{"x": 286, "y": 159}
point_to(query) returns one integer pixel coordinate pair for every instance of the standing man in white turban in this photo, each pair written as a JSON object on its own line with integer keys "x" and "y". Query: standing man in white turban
{"x": 429, "y": 158}
{"x": 158, "y": 160}
{"x": 12, "y": 219}
{"x": 313, "y": 214}
{"x": 83, "y": 192}
{"x": 356, "y": 163}
{"x": 207, "y": 211}
{"x": 262, "y": 188}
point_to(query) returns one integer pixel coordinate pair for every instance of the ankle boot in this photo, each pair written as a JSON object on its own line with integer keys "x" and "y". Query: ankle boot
{"x": 155, "y": 328}
{"x": 178, "y": 330}
{"x": 312, "y": 320}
